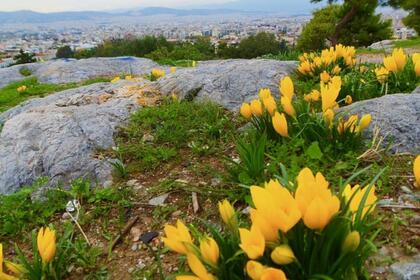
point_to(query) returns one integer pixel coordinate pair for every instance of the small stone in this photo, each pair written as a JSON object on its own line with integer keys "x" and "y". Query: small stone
{"x": 149, "y": 236}
{"x": 132, "y": 183}
{"x": 131, "y": 270}
{"x": 181, "y": 181}
{"x": 406, "y": 189}
{"x": 147, "y": 138}
{"x": 159, "y": 200}
{"x": 65, "y": 216}
{"x": 134, "y": 247}
{"x": 215, "y": 182}
{"x": 135, "y": 233}
{"x": 177, "y": 213}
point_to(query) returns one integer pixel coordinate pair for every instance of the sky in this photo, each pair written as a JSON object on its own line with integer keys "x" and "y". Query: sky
{"x": 286, "y": 6}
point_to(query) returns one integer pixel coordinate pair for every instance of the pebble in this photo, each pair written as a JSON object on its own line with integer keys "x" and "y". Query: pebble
{"x": 159, "y": 200}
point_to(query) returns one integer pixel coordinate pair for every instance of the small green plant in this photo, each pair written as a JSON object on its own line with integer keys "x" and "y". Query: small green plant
{"x": 25, "y": 71}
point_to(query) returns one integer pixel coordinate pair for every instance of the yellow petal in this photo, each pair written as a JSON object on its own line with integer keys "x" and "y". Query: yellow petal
{"x": 286, "y": 87}
{"x": 280, "y": 124}
{"x": 416, "y": 170}
{"x": 254, "y": 270}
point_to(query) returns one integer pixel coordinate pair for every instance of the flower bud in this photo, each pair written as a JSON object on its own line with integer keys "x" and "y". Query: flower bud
{"x": 352, "y": 242}
{"x": 283, "y": 255}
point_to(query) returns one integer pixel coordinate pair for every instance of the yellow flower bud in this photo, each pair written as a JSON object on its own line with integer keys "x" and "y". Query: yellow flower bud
{"x": 270, "y": 105}
{"x": 348, "y": 99}
{"x": 283, "y": 255}
{"x": 325, "y": 77}
{"x": 264, "y": 93}
{"x": 417, "y": 68}
{"x": 351, "y": 243}
{"x": 280, "y": 124}
{"x": 287, "y": 88}
{"x": 177, "y": 238}
{"x": 256, "y": 108}
{"x": 329, "y": 117}
{"x": 227, "y": 213}
{"x": 246, "y": 111}
{"x": 273, "y": 274}
{"x": 209, "y": 250}
{"x": 254, "y": 270}
{"x": 416, "y": 170}
{"x": 365, "y": 121}
{"x": 46, "y": 242}
{"x": 288, "y": 108}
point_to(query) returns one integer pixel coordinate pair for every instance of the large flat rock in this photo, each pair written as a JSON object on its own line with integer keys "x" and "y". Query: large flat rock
{"x": 71, "y": 70}
{"x": 398, "y": 118}
{"x": 227, "y": 82}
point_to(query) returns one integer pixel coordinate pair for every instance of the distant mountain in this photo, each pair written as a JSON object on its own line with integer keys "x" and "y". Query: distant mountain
{"x": 35, "y": 17}
{"x": 150, "y": 11}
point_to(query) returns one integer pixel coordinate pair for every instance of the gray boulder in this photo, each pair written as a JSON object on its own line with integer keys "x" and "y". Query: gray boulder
{"x": 57, "y": 136}
{"x": 226, "y": 82}
{"x": 407, "y": 270}
{"x": 398, "y": 118}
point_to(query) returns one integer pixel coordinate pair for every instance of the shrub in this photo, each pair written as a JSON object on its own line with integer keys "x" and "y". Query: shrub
{"x": 64, "y": 52}
{"x": 25, "y": 71}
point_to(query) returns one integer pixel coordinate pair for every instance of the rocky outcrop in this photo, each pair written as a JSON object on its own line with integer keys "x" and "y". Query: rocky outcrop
{"x": 398, "y": 118}
{"x": 226, "y": 82}
{"x": 71, "y": 70}
{"x": 57, "y": 136}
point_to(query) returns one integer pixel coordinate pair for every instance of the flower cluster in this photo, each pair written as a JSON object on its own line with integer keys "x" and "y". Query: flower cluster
{"x": 22, "y": 89}
{"x": 397, "y": 63}
{"x": 46, "y": 246}
{"x": 288, "y": 224}
{"x": 157, "y": 73}
{"x": 332, "y": 61}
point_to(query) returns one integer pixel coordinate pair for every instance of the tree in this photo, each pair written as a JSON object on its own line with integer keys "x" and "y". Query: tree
{"x": 358, "y": 16}
{"x": 258, "y": 45}
{"x": 64, "y": 52}
{"x": 413, "y": 7}
{"x": 24, "y": 57}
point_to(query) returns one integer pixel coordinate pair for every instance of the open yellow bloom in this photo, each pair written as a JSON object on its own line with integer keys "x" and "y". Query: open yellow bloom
{"x": 286, "y": 87}
{"x": 416, "y": 170}
{"x": 283, "y": 255}
{"x": 352, "y": 242}
{"x": 325, "y": 77}
{"x": 349, "y": 125}
{"x": 264, "y": 93}
{"x": 46, "y": 242}
{"x": 227, "y": 213}
{"x": 305, "y": 67}
{"x": 280, "y": 124}
{"x": 275, "y": 209}
{"x": 329, "y": 93}
{"x": 246, "y": 111}
{"x": 157, "y": 73}
{"x": 252, "y": 242}
{"x": 390, "y": 64}
{"x": 270, "y": 105}
{"x": 22, "y": 88}
{"x": 288, "y": 108}
{"x": 356, "y": 195}
{"x": 400, "y": 58}
{"x": 381, "y": 74}
{"x": 177, "y": 238}
{"x": 316, "y": 202}
{"x": 198, "y": 268}
{"x": 256, "y": 108}
{"x": 209, "y": 250}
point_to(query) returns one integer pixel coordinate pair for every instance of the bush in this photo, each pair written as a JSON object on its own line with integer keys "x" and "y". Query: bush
{"x": 24, "y": 57}
{"x": 64, "y": 52}
{"x": 24, "y": 71}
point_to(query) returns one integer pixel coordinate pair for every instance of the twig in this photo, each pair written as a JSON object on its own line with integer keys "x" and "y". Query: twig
{"x": 399, "y": 207}
{"x": 80, "y": 228}
{"x": 125, "y": 230}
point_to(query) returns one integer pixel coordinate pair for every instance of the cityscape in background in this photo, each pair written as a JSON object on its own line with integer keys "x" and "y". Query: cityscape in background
{"x": 44, "y": 38}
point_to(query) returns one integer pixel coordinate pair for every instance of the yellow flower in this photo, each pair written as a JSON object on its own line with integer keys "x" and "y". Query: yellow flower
{"x": 198, "y": 268}
{"x": 16, "y": 269}
{"x": 209, "y": 250}
{"x": 194, "y": 63}
{"x": 4, "y": 276}
{"x": 315, "y": 95}
{"x": 329, "y": 93}
{"x": 270, "y": 105}
{"x": 348, "y": 100}
{"x": 416, "y": 170}
{"x": 352, "y": 242}
{"x": 275, "y": 209}
{"x": 307, "y": 97}
{"x": 390, "y": 64}
{"x": 252, "y": 242}
{"x": 116, "y": 79}
{"x": 172, "y": 69}
{"x": 329, "y": 117}
{"x": 273, "y": 274}
{"x": 400, "y": 58}
{"x": 286, "y": 103}
{"x": 157, "y": 73}
{"x": 381, "y": 74}
{"x": 254, "y": 270}
{"x": 336, "y": 70}
{"x": 280, "y": 124}
{"x": 365, "y": 121}
{"x": 283, "y": 255}
{"x": 356, "y": 195}
{"x": 256, "y": 108}
{"x": 46, "y": 242}
{"x": 349, "y": 125}
{"x": 415, "y": 57}
{"x": 227, "y": 213}
{"x": 177, "y": 238}
{"x": 286, "y": 87}
{"x": 316, "y": 202}
{"x": 363, "y": 69}
{"x": 325, "y": 77}
{"x": 264, "y": 93}
{"x": 305, "y": 67}
{"x": 128, "y": 77}
{"x": 22, "y": 88}
{"x": 246, "y": 111}
{"x": 417, "y": 68}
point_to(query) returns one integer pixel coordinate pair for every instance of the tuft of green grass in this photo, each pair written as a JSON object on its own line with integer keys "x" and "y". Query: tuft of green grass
{"x": 24, "y": 71}
{"x": 409, "y": 43}
{"x": 284, "y": 56}
{"x": 10, "y": 97}
{"x": 158, "y": 134}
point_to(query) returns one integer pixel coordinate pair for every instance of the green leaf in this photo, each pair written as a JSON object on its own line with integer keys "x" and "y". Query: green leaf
{"x": 314, "y": 152}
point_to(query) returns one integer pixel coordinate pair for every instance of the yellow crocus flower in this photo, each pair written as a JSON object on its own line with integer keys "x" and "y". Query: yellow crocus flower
{"x": 157, "y": 73}
{"x": 329, "y": 93}
{"x": 16, "y": 269}
{"x": 283, "y": 255}
{"x": 270, "y": 105}
{"x": 400, "y": 58}
{"x": 128, "y": 77}
{"x": 172, "y": 69}
{"x": 246, "y": 111}
{"x": 209, "y": 250}
{"x": 356, "y": 194}
{"x": 4, "y": 276}
{"x": 275, "y": 209}
{"x": 254, "y": 270}
{"x": 390, "y": 64}
{"x": 316, "y": 202}
{"x": 336, "y": 70}
{"x": 116, "y": 79}
{"x": 287, "y": 88}
{"x": 365, "y": 121}
{"x": 264, "y": 93}
{"x": 329, "y": 117}
{"x": 252, "y": 242}
{"x": 416, "y": 170}
{"x": 305, "y": 67}
{"x": 177, "y": 238}
{"x": 280, "y": 124}
{"x": 46, "y": 242}
{"x": 288, "y": 108}
{"x": 227, "y": 212}
{"x": 352, "y": 242}
{"x": 198, "y": 268}
{"x": 325, "y": 77}
{"x": 273, "y": 274}
{"x": 348, "y": 100}
{"x": 256, "y": 108}
{"x": 381, "y": 74}
{"x": 417, "y": 68}
{"x": 415, "y": 57}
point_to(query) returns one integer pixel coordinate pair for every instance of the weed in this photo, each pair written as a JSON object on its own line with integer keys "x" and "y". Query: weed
{"x": 24, "y": 71}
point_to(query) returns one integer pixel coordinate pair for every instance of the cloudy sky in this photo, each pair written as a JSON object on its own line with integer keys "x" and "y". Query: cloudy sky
{"x": 74, "y": 5}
